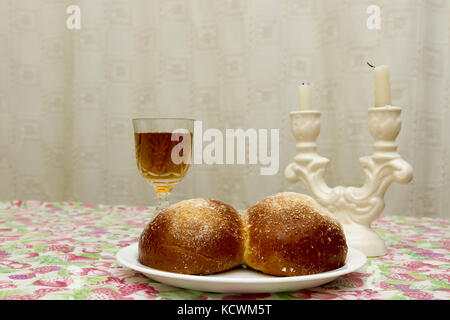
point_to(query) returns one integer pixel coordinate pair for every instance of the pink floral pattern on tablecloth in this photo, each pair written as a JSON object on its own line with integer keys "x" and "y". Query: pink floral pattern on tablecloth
{"x": 67, "y": 251}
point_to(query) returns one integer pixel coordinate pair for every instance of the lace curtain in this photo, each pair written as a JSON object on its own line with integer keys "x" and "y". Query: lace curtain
{"x": 67, "y": 96}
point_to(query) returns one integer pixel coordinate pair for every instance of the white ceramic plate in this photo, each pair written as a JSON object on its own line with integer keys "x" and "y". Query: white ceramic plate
{"x": 239, "y": 280}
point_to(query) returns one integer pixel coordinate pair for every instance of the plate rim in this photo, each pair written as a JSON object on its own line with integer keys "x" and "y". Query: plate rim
{"x": 360, "y": 260}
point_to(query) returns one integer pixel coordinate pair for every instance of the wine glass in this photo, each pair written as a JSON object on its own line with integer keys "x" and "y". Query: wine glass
{"x": 163, "y": 152}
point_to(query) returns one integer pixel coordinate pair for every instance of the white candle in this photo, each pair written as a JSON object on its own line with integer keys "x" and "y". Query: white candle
{"x": 382, "y": 86}
{"x": 305, "y": 97}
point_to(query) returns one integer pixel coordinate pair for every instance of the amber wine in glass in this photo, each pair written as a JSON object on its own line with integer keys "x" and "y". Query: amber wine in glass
{"x": 163, "y": 152}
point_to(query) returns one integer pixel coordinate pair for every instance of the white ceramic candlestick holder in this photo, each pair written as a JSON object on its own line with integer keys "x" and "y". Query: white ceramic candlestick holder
{"x": 355, "y": 207}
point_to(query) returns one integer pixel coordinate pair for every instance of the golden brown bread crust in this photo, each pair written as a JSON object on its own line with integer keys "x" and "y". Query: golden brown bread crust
{"x": 290, "y": 234}
{"x": 197, "y": 236}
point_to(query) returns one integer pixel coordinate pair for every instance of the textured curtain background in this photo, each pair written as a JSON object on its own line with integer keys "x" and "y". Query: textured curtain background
{"x": 67, "y": 97}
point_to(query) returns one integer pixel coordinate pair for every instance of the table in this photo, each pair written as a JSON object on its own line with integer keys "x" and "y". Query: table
{"x": 66, "y": 250}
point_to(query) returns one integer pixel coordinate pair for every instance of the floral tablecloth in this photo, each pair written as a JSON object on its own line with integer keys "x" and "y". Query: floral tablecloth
{"x": 67, "y": 251}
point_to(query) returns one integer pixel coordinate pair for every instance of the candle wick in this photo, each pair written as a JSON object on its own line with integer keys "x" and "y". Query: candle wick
{"x": 370, "y": 65}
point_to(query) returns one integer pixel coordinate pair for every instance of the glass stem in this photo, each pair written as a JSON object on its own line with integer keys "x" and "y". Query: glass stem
{"x": 163, "y": 199}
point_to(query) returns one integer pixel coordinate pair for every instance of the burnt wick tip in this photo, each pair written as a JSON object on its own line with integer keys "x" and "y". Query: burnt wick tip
{"x": 370, "y": 65}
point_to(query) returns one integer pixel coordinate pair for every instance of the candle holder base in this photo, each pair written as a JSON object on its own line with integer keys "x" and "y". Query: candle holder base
{"x": 365, "y": 240}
